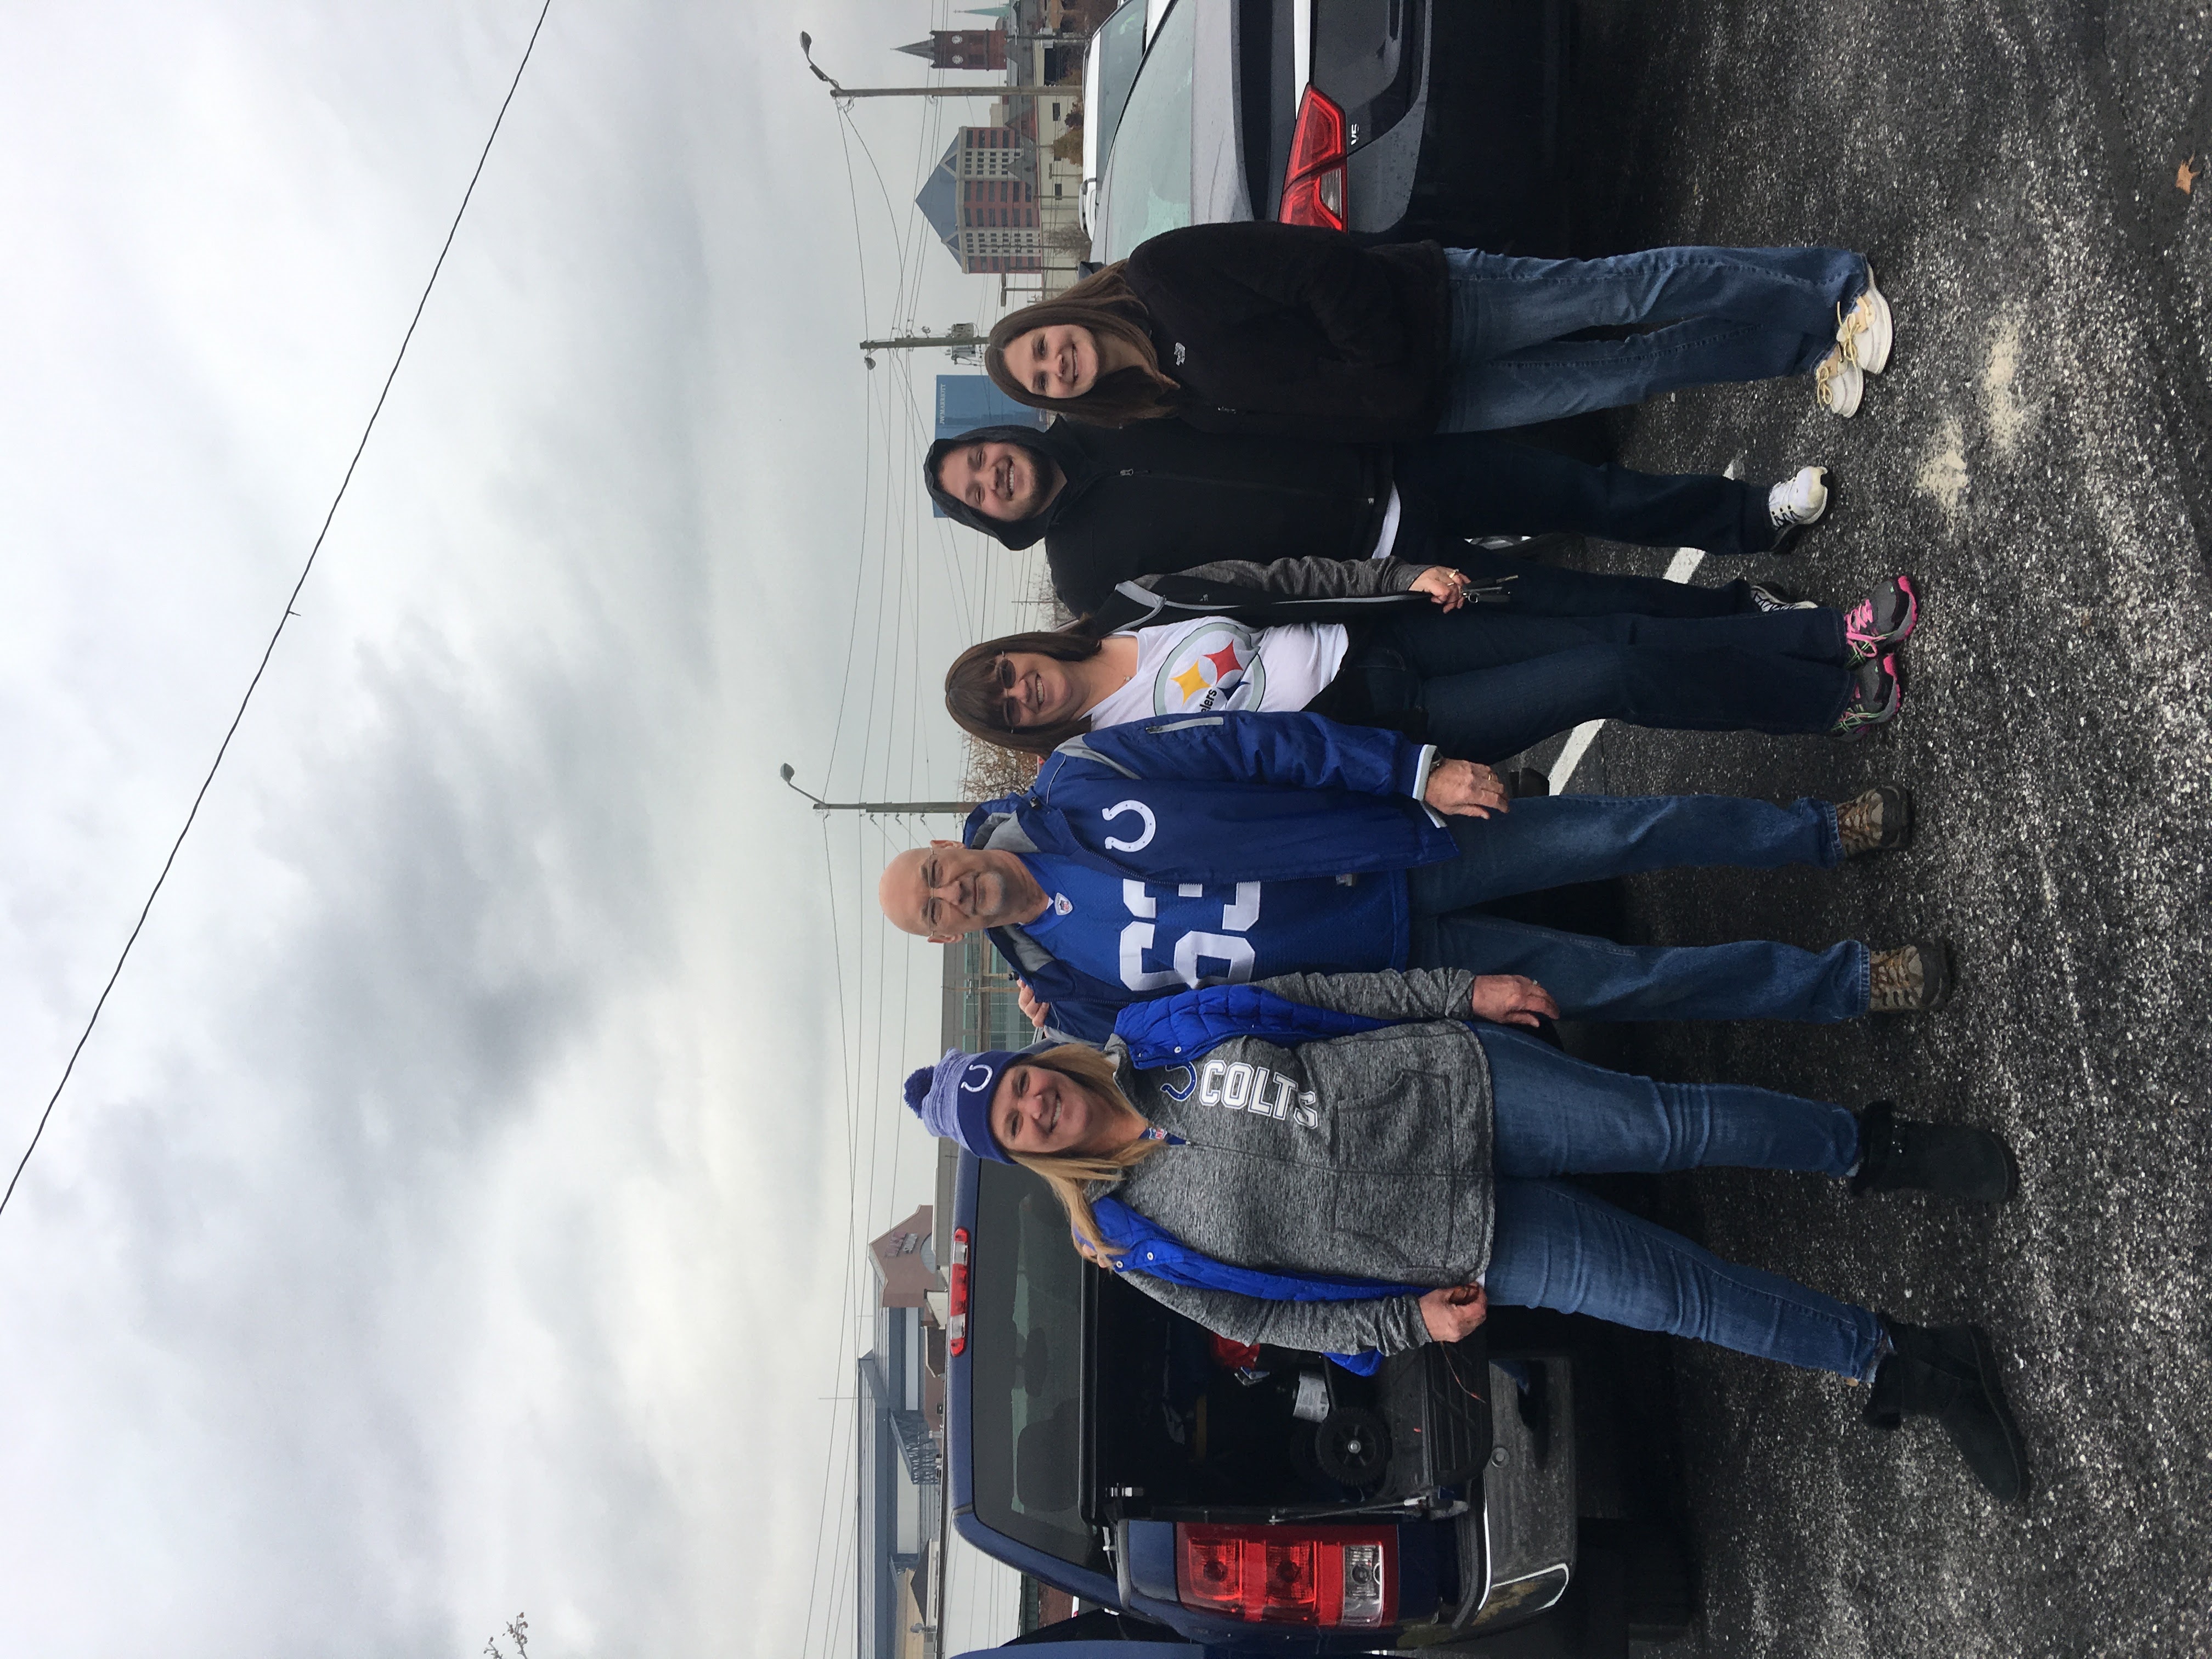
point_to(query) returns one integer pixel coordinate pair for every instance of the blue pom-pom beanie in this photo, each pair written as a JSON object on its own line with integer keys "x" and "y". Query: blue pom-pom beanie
{"x": 952, "y": 1098}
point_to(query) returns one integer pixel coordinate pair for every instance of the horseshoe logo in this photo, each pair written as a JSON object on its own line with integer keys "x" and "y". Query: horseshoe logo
{"x": 974, "y": 1067}
{"x": 1152, "y": 826}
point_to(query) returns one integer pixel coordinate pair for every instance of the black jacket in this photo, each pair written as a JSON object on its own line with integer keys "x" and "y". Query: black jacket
{"x": 1294, "y": 329}
{"x": 1160, "y": 496}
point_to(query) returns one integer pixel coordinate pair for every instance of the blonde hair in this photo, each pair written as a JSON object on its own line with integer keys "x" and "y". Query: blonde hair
{"x": 1071, "y": 1174}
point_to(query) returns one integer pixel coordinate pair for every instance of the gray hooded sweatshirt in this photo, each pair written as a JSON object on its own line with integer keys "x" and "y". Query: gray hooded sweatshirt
{"x": 1365, "y": 1156}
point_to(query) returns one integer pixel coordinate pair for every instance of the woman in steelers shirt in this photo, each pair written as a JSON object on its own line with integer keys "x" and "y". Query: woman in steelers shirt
{"x": 1480, "y": 681}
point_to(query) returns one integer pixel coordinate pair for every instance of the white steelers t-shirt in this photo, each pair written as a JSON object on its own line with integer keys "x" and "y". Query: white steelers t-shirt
{"x": 1213, "y": 664}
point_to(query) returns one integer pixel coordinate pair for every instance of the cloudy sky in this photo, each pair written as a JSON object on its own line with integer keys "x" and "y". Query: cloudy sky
{"x": 454, "y": 1210}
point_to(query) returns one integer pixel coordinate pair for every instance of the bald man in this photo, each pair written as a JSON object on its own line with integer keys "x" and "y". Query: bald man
{"x": 1161, "y": 855}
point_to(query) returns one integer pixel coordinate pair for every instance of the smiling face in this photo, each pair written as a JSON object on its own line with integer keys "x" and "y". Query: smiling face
{"x": 1039, "y": 1111}
{"x": 945, "y": 889}
{"x": 1058, "y": 362}
{"x": 1001, "y": 480}
{"x": 1036, "y": 690}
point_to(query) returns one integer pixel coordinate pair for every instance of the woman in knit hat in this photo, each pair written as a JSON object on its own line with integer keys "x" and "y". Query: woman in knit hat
{"x": 1239, "y": 1152}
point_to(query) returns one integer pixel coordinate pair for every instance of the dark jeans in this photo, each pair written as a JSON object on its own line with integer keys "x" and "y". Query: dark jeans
{"x": 1491, "y": 679}
{"x": 1734, "y": 313}
{"x": 1477, "y": 484}
{"x": 1557, "y": 1246}
{"x": 1557, "y": 840}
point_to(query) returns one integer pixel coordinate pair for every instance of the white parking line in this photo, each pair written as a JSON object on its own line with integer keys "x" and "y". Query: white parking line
{"x": 1679, "y": 569}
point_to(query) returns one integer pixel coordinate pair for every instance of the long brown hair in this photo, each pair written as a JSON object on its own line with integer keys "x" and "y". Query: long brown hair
{"x": 1071, "y": 1174}
{"x": 976, "y": 701}
{"x": 1106, "y": 305}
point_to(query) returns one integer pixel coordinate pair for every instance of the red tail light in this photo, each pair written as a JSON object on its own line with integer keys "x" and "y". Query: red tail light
{"x": 956, "y": 1324}
{"x": 1336, "y": 1575}
{"x": 1233, "y": 1356}
{"x": 1313, "y": 184}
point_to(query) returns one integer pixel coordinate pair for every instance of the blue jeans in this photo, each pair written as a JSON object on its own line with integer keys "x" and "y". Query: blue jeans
{"x": 1593, "y": 978}
{"x": 1557, "y": 840}
{"x": 1555, "y": 1246}
{"x": 1732, "y": 314}
{"x": 1491, "y": 681}
{"x": 1476, "y": 483}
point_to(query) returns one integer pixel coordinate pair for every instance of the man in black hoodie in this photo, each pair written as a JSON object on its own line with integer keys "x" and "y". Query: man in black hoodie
{"x": 1114, "y": 503}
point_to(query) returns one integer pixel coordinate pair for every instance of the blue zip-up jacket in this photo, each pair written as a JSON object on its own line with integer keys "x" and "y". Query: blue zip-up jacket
{"x": 1180, "y": 1029}
{"x": 1216, "y": 799}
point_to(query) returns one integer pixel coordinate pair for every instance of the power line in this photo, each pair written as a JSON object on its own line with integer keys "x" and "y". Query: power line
{"x": 268, "y": 651}
{"x": 867, "y": 469}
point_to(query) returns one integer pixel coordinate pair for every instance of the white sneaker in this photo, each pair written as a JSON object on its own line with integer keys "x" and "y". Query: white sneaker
{"x": 1862, "y": 333}
{"x": 1778, "y": 598}
{"x": 1839, "y": 384}
{"x": 1799, "y": 501}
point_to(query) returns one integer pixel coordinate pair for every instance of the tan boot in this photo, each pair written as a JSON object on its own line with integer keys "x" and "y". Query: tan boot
{"x": 1912, "y": 978}
{"x": 1876, "y": 822}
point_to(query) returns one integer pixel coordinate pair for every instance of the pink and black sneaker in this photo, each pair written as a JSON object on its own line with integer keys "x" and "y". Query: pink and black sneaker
{"x": 1883, "y": 620}
{"x": 1876, "y": 695}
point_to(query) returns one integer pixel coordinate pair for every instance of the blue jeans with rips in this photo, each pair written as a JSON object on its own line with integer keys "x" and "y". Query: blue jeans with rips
{"x": 1731, "y": 314}
{"x": 1557, "y": 840}
{"x": 1556, "y": 1246}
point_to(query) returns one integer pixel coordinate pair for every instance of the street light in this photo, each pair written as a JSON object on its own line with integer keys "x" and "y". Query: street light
{"x": 787, "y": 775}
{"x": 891, "y": 808}
{"x": 806, "y": 51}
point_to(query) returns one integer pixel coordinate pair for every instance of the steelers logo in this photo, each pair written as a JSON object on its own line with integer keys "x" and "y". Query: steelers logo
{"x": 1210, "y": 669}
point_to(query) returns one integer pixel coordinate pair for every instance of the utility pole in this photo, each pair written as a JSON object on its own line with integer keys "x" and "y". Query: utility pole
{"x": 887, "y": 808}
{"x": 987, "y": 90}
{"x": 960, "y": 334}
{"x": 959, "y": 340}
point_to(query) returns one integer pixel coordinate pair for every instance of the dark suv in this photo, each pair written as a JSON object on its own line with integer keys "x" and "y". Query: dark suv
{"x": 1395, "y": 120}
{"x": 1263, "y": 1502}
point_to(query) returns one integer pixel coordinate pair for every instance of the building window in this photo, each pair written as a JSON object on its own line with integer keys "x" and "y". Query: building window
{"x": 1055, "y": 112}
{"x": 1059, "y": 190}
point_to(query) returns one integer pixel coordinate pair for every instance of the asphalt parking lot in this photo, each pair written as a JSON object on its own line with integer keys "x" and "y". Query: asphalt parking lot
{"x": 2037, "y": 455}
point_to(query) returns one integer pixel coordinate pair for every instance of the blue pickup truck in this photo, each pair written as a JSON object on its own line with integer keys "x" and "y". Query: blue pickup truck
{"x": 1263, "y": 1502}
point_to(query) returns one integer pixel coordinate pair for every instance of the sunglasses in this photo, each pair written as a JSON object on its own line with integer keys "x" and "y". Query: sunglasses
{"x": 1010, "y": 710}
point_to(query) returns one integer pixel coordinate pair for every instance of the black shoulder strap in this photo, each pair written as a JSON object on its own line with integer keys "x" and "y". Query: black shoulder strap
{"x": 1155, "y": 600}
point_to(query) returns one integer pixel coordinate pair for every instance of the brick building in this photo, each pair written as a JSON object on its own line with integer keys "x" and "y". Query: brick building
{"x": 981, "y": 199}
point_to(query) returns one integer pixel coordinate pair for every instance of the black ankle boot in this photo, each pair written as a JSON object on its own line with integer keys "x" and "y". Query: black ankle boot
{"x": 1897, "y": 1154}
{"x": 1949, "y": 1372}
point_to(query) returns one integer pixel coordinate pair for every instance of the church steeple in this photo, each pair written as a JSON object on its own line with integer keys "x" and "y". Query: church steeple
{"x": 962, "y": 49}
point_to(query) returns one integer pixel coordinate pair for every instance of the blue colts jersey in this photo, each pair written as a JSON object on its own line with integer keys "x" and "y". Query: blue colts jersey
{"x": 1151, "y": 937}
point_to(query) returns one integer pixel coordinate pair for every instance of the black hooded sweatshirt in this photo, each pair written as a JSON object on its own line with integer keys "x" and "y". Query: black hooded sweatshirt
{"x": 1294, "y": 328}
{"x": 1160, "y": 496}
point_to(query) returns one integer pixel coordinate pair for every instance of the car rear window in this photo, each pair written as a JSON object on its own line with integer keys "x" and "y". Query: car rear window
{"x": 1119, "y": 45}
{"x": 1146, "y": 186}
{"x": 1025, "y": 1358}
{"x": 1357, "y": 45}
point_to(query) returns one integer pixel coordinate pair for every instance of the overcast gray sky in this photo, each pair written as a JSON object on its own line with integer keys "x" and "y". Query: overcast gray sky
{"x": 453, "y": 1213}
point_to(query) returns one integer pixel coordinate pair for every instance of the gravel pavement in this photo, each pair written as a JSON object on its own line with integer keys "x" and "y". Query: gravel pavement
{"x": 2037, "y": 456}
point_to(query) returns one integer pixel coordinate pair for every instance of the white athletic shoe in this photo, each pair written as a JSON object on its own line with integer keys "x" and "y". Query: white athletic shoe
{"x": 1862, "y": 333}
{"x": 1799, "y": 501}
{"x": 1839, "y": 384}
{"x": 1778, "y": 598}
